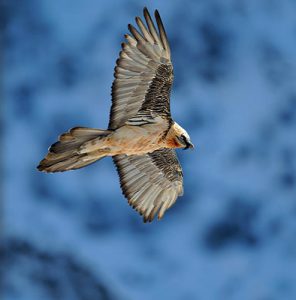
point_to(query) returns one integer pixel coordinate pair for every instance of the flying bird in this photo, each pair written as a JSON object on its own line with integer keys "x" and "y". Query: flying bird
{"x": 141, "y": 136}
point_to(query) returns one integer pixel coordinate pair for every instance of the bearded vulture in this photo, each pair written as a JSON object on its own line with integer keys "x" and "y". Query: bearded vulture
{"x": 141, "y": 136}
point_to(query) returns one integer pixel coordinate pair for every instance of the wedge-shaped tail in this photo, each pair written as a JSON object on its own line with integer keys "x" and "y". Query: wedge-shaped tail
{"x": 64, "y": 155}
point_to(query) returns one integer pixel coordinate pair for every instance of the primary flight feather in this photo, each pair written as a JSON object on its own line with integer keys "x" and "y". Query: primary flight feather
{"x": 141, "y": 135}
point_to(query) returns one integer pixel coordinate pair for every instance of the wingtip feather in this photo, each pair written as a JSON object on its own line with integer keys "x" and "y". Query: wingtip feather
{"x": 162, "y": 33}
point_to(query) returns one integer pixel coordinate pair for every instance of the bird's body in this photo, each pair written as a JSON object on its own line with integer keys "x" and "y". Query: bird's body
{"x": 130, "y": 139}
{"x": 141, "y": 135}
{"x": 135, "y": 140}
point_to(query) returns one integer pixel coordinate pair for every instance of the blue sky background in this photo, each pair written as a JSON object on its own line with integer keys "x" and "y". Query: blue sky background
{"x": 232, "y": 235}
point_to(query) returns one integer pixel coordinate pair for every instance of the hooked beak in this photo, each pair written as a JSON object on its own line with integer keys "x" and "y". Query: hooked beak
{"x": 189, "y": 145}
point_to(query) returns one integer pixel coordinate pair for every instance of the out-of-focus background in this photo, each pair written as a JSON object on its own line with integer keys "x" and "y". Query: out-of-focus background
{"x": 72, "y": 235}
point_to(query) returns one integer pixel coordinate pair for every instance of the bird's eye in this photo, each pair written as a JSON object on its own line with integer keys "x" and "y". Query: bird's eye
{"x": 184, "y": 139}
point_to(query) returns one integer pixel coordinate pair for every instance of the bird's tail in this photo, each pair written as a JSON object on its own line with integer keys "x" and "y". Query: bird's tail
{"x": 65, "y": 154}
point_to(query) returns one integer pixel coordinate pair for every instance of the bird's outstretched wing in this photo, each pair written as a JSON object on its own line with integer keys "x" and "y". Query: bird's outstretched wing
{"x": 151, "y": 182}
{"x": 143, "y": 74}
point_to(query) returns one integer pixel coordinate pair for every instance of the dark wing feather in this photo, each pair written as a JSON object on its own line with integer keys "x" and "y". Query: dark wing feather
{"x": 151, "y": 182}
{"x": 143, "y": 74}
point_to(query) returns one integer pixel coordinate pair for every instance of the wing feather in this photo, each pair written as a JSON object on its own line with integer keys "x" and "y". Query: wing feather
{"x": 143, "y": 73}
{"x": 151, "y": 182}
{"x": 144, "y": 31}
{"x": 162, "y": 33}
{"x": 151, "y": 27}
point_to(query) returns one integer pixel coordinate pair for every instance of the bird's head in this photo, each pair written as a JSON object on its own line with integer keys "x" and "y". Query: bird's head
{"x": 181, "y": 137}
